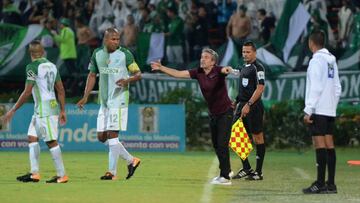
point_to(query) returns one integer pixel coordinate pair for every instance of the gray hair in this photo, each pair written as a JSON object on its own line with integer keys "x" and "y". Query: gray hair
{"x": 215, "y": 55}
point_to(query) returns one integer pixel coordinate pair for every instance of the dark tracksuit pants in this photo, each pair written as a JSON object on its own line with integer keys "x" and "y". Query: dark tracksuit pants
{"x": 220, "y": 126}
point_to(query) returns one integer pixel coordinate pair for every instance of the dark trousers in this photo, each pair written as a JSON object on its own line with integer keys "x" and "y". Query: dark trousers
{"x": 220, "y": 126}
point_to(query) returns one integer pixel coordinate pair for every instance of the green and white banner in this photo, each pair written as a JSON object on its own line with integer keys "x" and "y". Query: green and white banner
{"x": 150, "y": 47}
{"x": 287, "y": 86}
{"x": 291, "y": 25}
{"x": 13, "y": 52}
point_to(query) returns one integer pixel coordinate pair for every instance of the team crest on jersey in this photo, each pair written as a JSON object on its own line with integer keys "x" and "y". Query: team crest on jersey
{"x": 330, "y": 70}
{"x": 245, "y": 82}
{"x": 30, "y": 75}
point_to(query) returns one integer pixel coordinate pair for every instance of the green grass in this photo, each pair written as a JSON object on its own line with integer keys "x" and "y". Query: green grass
{"x": 174, "y": 177}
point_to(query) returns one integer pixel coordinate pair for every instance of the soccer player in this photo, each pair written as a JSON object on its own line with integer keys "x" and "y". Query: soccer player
{"x": 251, "y": 109}
{"x": 211, "y": 78}
{"x": 114, "y": 64}
{"x": 42, "y": 78}
{"x": 323, "y": 90}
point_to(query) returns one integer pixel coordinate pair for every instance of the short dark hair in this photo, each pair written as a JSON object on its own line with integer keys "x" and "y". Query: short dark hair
{"x": 36, "y": 49}
{"x": 262, "y": 11}
{"x": 250, "y": 44}
{"x": 318, "y": 38}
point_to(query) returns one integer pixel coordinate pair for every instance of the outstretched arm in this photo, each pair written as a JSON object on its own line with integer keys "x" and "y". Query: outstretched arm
{"x": 172, "y": 72}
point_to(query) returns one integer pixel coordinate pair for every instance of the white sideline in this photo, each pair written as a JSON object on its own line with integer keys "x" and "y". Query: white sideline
{"x": 207, "y": 192}
{"x": 302, "y": 173}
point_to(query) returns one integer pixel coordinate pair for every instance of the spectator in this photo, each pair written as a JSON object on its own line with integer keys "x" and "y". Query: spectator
{"x": 155, "y": 25}
{"x": 345, "y": 21}
{"x": 10, "y": 13}
{"x": 267, "y": 25}
{"x": 138, "y": 14}
{"x": 66, "y": 42}
{"x": 129, "y": 34}
{"x": 174, "y": 37}
{"x": 183, "y": 8}
{"x": 37, "y": 17}
{"x": 198, "y": 36}
{"x": 239, "y": 27}
{"x": 47, "y": 39}
{"x": 84, "y": 35}
{"x": 226, "y": 8}
{"x": 121, "y": 12}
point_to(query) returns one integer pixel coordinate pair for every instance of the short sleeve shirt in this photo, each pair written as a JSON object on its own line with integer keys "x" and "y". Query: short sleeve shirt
{"x": 213, "y": 88}
{"x": 111, "y": 68}
{"x": 43, "y": 75}
{"x": 250, "y": 76}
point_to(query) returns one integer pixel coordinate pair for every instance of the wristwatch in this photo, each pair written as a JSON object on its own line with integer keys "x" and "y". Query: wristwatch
{"x": 249, "y": 103}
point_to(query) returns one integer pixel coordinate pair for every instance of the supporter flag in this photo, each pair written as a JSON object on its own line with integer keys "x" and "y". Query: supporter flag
{"x": 239, "y": 140}
{"x": 150, "y": 47}
{"x": 292, "y": 23}
{"x": 231, "y": 56}
{"x": 350, "y": 60}
{"x": 13, "y": 42}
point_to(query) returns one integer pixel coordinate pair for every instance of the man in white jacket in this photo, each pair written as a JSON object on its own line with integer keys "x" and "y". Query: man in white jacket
{"x": 323, "y": 91}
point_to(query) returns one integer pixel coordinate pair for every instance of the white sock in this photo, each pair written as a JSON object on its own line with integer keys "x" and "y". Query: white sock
{"x": 124, "y": 154}
{"x": 34, "y": 154}
{"x": 113, "y": 154}
{"x": 58, "y": 162}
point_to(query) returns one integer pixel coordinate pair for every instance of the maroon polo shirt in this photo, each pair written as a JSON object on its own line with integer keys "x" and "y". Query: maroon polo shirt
{"x": 213, "y": 88}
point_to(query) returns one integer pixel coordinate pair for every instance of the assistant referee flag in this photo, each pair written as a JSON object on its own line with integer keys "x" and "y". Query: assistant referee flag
{"x": 239, "y": 140}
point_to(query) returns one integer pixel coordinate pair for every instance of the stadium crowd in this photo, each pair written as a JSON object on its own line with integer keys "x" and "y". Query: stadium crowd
{"x": 188, "y": 25}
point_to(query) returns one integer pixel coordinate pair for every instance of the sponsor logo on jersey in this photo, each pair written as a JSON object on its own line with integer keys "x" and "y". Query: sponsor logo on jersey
{"x": 106, "y": 70}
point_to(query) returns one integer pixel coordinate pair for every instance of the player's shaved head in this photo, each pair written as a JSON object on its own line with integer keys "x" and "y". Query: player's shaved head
{"x": 111, "y": 31}
{"x": 36, "y": 49}
{"x": 112, "y": 39}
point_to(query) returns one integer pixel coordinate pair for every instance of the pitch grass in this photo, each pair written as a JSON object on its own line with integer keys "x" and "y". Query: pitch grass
{"x": 175, "y": 177}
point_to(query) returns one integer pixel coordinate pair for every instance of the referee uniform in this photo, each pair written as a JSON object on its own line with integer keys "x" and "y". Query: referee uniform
{"x": 251, "y": 75}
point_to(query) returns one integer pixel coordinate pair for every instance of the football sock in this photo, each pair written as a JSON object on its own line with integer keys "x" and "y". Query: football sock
{"x": 321, "y": 156}
{"x": 246, "y": 164}
{"x": 114, "y": 151}
{"x": 58, "y": 162}
{"x": 34, "y": 153}
{"x": 331, "y": 164}
{"x": 260, "y": 154}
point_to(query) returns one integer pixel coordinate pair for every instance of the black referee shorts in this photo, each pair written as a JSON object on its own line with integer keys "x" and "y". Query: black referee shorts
{"x": 322, "y": 125}
{"x": 253, "y": 122}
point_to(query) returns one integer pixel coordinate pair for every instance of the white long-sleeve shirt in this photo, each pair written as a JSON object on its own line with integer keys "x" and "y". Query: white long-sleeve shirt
{"x": 323, "y": 88}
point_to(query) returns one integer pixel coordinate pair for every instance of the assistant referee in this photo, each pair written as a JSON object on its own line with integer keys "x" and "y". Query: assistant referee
{"x": 251, "y": 109}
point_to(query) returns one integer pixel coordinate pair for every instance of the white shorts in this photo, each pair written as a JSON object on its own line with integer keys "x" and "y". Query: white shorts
{"x": 110, "y": 119}
{"x": 45, "y": 128}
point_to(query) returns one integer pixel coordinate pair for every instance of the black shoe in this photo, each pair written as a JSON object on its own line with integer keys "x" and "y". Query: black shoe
{"x": 243, "y": 173}
{"x": 29, "y": 177}
{"x": 315, "y": 188}
{"x": 108, "y": 176}
{"x": 132, "y": 167}
{"x": 254, "y": 175}
{"x": 331, "y": 188}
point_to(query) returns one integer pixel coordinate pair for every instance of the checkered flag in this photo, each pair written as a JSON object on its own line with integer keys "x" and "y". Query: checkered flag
{"x": 239, "y": 140}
